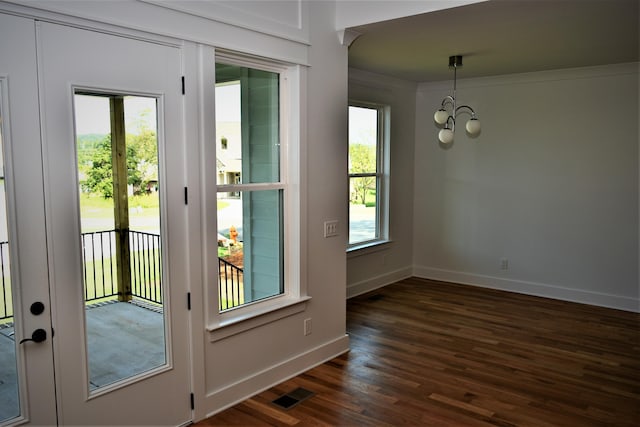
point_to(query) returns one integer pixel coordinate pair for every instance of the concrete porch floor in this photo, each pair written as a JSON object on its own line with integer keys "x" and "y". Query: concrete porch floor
{"x": 124, "y": 339}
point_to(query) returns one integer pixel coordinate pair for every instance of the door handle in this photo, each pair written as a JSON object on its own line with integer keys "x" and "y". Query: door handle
{"x": 38, "y": 335}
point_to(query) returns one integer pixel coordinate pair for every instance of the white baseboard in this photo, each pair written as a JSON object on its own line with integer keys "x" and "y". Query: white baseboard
{"x": 530, "y": 288}
{"x": 223, "y": 398}
{"x": 378, "y": 282}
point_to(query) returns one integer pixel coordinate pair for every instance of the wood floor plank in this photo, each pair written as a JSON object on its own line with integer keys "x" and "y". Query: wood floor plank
{"x": 440, "y": 354}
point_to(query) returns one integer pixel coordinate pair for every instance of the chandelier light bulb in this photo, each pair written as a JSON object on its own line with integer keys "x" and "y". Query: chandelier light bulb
{"x": 473, "y": 126}
{"x": 441, "y": 116}
{"x": 446, "y": 136}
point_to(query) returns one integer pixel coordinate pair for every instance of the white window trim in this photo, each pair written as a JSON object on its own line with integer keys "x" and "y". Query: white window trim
{"x": 293, "y": 300}
{"x": 382, "y": 176}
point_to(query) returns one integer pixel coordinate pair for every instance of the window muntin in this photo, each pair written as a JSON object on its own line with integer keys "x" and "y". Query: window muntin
{"x": 368, "y": 174}
{"x": 250, "y": 189}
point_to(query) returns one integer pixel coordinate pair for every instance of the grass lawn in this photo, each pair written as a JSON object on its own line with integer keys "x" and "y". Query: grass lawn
{"x": 97, "y": 209}
{"x": 95, "y": 206}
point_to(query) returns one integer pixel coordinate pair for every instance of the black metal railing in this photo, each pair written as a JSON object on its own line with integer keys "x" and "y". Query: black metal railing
{"x": 99, "y": 265}
{"x": 100, "y": 271}
{"x": 230, "y": 285}
{"x": 100, "y": 268}
{"x": 146, "y": 266}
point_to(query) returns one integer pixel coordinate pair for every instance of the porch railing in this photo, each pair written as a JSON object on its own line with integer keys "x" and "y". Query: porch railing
{"x": 98, "y": 253}
{"x": 100, "y": 275}
{"x": 230, "y": 285}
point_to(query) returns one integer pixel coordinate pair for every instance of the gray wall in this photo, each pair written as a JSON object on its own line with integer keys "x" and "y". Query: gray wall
{"x": 551, "y": 184}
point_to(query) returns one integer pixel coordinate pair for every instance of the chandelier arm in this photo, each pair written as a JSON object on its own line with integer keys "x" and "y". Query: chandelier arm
{"x": 473, "y": 113}
{"x": 453, "y": 123}
{"x": 448, "y": 100}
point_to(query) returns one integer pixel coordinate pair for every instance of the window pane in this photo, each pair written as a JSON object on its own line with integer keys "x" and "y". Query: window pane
{"x": 247, "y": 125}
{"x": 117, "y": 150}
{"x": 250, "y": 255}
{"x": 9, "y": 384}
{"x": 363, "y": 137}
{"x": 362, "y": 209}
{"x": 368, "y": 173}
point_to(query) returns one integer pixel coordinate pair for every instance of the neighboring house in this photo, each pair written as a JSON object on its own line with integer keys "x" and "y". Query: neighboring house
{"x": 228, "y": 154}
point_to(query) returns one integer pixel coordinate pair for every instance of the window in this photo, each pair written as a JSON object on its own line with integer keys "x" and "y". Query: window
{"x": 368, "y": 174}
{"x": 254, "y": 255}
{"x": 251, "y": 191}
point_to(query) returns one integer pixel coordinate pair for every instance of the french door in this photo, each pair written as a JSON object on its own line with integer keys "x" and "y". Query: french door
{"x": 27, "y": 388}
{"x": 104, "y": 219}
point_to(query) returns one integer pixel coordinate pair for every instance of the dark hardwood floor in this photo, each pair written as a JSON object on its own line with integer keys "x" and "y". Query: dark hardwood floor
{"x": 428, "y": 353}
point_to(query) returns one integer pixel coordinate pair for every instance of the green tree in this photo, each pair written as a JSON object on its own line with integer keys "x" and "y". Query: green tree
{"x": 362, "y": 159}
{"x": 142, "y": 164}
{"x": 99, "y": 175}
{"x": 142, "y": 159}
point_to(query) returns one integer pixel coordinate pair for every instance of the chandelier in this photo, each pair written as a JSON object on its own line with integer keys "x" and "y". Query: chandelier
{"x": 448, "y": 112}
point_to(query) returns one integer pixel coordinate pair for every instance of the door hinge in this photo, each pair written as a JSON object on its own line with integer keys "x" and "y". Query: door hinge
{"x": 193, "y": 402}
{"x": 183, "y": 91}
{"x": 188, "y": 300}
{"x": 186, "y": 196}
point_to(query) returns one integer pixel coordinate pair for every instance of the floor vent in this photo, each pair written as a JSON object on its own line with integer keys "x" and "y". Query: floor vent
{"x": 376, "y": 297}
{"x": 291, "y": 399}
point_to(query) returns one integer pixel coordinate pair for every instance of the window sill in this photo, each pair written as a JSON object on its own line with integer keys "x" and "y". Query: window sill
{"x": 246, "y": 318}
{"x": 368, "y": 248}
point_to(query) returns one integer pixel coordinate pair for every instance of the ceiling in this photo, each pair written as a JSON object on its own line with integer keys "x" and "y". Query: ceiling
{"x": 500, "y": 37}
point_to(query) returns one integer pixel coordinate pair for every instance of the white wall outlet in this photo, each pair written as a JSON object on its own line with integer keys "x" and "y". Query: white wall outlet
{"x": 330, "y": 228}
{"x": 307, "y": 326}
{"x": 504, "y": 264}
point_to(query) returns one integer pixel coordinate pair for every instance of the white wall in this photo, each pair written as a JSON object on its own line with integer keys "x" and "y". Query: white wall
{"x": 371, "y": 268}
{"x": 551, "y": 184}
{"x": 243, "y": 364}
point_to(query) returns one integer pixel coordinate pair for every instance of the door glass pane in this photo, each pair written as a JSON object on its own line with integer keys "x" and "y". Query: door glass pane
{"x": 117, "y": 158}
{"x": 9, "y": 396}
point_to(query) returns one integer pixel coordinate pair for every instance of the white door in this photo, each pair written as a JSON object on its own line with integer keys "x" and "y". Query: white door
{"x": 116, "y": 363}
{"x": 27, "y": 392}
{"x": 116, "y": 298}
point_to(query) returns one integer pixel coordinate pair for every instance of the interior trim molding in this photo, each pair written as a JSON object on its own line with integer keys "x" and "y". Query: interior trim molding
{"x": 530, "y": 288}
{"x": 227, "y": 396}
{"x": 377, "y": 282}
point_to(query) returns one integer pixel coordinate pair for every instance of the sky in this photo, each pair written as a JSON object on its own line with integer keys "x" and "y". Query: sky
{"x": 228, "y": 103}
{"x": 92, "y": 113}
{"x": 362, "y": 125}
